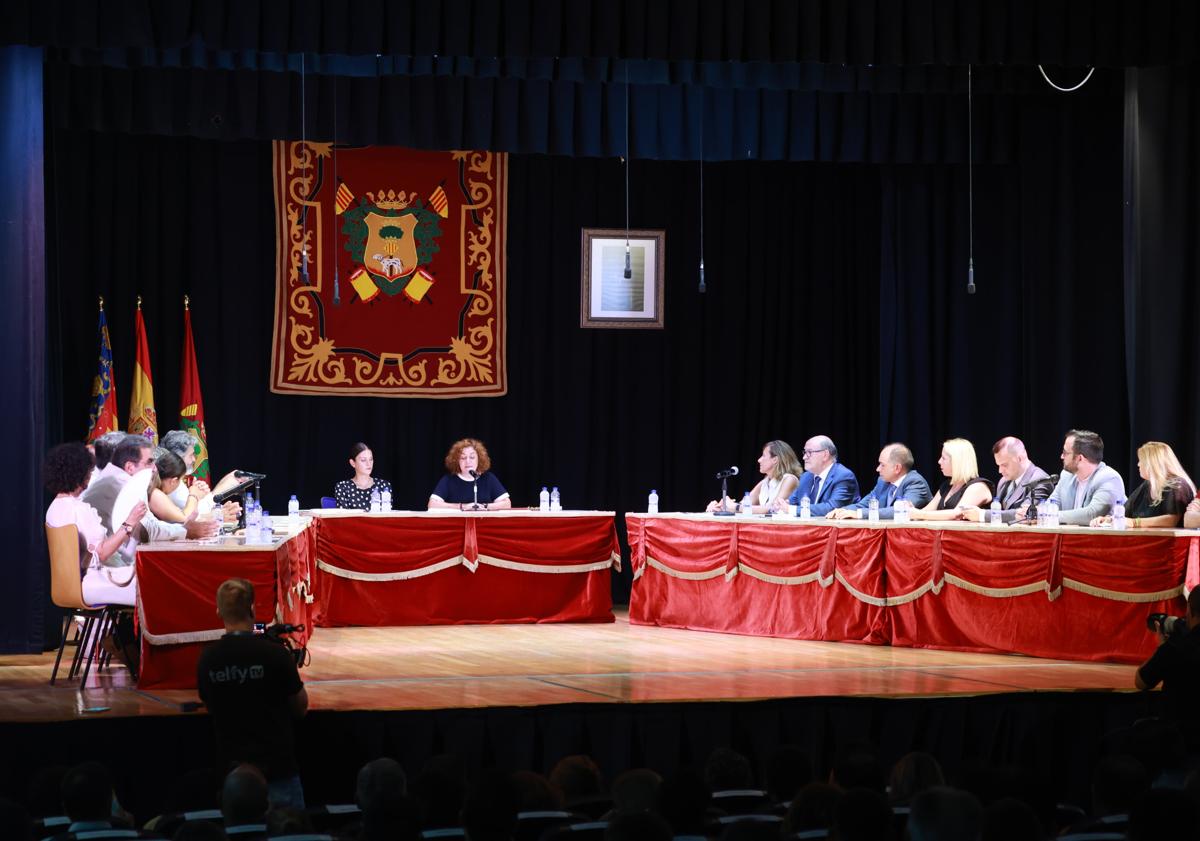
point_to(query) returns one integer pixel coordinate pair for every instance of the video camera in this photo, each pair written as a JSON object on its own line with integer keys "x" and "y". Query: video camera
{"x": 1169, "y": 626}
{"x": 279, "y": 633}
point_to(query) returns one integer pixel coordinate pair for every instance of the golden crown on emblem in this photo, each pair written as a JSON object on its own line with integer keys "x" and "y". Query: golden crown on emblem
{"x": 391, "y": 199}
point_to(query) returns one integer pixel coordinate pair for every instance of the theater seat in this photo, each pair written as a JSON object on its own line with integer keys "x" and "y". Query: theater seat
{"x": 585, "y": 831}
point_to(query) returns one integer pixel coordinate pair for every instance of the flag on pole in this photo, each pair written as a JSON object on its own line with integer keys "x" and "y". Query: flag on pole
{"x": 191, "y": 404}
{"x": 102, "y": 416}
{"x": 142, "y": 418}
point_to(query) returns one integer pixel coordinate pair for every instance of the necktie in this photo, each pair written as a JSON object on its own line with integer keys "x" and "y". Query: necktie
{"x": 889, "y": 495}
{"x": 816, "y": 489}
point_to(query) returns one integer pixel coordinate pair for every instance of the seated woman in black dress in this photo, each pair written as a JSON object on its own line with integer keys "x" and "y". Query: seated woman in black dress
{"x": 356, "y": 492}
{"x": 1160, "y": 500}
{"x": 963, "y": 487}
{"x": 457, "y": 488}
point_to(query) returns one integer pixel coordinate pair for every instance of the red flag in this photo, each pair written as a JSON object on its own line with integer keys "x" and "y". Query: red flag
{"x": 191, "y": 404}
{"x": 142, "y": 418}
{"x": 103, "y": 413}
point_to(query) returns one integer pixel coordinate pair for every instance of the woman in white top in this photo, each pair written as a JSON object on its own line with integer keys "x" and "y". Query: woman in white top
{"x": 66, "y": 473}
{"x": 781, "y": 469}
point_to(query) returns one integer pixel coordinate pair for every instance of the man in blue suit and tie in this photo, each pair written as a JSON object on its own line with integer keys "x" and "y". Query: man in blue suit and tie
{"x": 897, "y": 480}
{"x": 826, "y": 483}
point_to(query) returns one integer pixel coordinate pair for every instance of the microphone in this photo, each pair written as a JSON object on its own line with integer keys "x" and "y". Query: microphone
{"x": 628, "y": 264}
{"x": 235, "y": 491}
{"x": 246, "y": 474}
{"x": 702, "y": 277}
{"x": 971, "y": 277}
{"x": 474, "y": 475}
{"x": 725, "y": 474}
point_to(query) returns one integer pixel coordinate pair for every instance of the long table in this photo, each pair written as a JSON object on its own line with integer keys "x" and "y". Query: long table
{"x": 452, "y": 567}
{"x": 1070, "y": 592}
{"x": 177, "y": 587}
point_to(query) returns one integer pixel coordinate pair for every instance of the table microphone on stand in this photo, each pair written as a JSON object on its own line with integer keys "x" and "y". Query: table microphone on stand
{"x": 475, "y": 490}
{"x": 724, "y": 475}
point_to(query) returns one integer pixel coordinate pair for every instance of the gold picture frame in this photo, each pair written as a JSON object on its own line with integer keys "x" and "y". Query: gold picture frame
{"x": 607, "y": 299}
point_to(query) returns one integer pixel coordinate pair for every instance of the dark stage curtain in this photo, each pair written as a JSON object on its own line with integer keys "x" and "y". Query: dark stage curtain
{"x": 1163, "y": 261}
{"x": 895, "y": 32}
{"x": 23, "y": 346}
{"x": 847, "y": 115}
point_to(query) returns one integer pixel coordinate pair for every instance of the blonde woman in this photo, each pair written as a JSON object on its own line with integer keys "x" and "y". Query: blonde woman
{"x": 963, "y": 488}
{"x": 781, "y": 469}
{"x": 1161, "y": 499}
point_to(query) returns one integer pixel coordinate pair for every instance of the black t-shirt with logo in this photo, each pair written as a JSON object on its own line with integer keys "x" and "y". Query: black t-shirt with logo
{"x": 246, "y": 680}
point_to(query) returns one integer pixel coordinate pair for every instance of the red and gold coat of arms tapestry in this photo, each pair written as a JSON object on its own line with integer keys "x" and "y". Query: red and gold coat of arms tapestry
{"x": 389, "y": 276}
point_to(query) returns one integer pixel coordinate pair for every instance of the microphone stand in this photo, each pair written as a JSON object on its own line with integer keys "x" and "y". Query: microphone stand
{"x": 475, "y": 493}
{"x": 722, "y": 511}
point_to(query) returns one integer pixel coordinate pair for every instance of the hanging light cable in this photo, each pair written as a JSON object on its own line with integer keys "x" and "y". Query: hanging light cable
{"x": 970, "y": 191}
{"x": 337, "y": 293}
{"x": 628, "y": 263}
{"x": 702, "y": 287}
{"x": 304, "y": 276}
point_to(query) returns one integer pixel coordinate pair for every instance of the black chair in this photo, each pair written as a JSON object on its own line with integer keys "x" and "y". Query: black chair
{"x": 170, "y": 822}
{"x": 334, "y": 816}
{"x": 742, "y": 802}
{"x": 583, "y": 831}
{"x": 532, "y": 825}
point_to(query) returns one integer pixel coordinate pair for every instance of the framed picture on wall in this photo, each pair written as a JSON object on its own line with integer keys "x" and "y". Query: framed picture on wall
{"x": 609, "y": 299}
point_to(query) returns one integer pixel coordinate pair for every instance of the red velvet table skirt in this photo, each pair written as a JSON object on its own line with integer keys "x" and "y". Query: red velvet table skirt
{"x": 442, "y": 569}
{"x": 750, "y": 577}
{"x": 1070, "y": 594}
{"x": 177, "y": 588}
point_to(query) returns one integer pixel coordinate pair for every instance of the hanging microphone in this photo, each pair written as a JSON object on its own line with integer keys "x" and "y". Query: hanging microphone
{"x": 701, "y": 277}
{"x": 725, "y": 474}
{"x": 971, "y": 277}
{"x": 628, "y": 264}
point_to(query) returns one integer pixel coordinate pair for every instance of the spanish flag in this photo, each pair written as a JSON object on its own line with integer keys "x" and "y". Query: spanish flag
{"x": 439, "y": 202}
{"x": 102, "y": 417}
{"x": 191, "y": 404}
{"x": 142, "y": 418}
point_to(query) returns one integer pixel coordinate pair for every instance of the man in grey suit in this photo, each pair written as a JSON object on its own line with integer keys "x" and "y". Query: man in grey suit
{"x": 1088, "y": 488}
{"x": 897, "y": 480}
{"x": 1017, "y": 473}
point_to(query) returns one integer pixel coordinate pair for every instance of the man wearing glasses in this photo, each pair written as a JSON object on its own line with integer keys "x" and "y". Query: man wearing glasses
{"x": 826, "y": 483}
{"x": 1088, "y": 488}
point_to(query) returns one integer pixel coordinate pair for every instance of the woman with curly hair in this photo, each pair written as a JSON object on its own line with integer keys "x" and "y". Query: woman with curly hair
{"x": 66, "y": 472}
{"x": 469, "y": 480}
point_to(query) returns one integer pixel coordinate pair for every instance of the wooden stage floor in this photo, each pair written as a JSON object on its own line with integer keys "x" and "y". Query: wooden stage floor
{"x": 471, "y": 666}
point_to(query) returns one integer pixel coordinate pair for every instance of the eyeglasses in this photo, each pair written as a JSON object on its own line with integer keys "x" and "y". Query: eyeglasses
{"x": 811, "y": 452}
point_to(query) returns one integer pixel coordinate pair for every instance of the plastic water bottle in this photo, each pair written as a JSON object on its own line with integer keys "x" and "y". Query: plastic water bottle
{"x": 805, "y": 508}
{"x": 900, "y": 511}
{"x": 652, "y": 503}
{"x": 253, "y": 513}
{"x": 266, "y": 534}
{"x": 293, "y": 513}
{"x": 994, "y": 513}
{"x": 544, "y": 500}
{"x": 1118, "y": 515}
{"x": 1051, "y": 514}
{"x": 555, "y": 500}
{"x": 746, "y": 506}
{"x": 385, "y": 500}
{"x": 375, "y": 503}
{"x": 873, "y": 510}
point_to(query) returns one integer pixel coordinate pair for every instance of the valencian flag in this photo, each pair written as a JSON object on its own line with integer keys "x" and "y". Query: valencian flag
{"x": 191, "y": 404}
{"x": 142, "y": 418}
{"x": 102, "y": 417}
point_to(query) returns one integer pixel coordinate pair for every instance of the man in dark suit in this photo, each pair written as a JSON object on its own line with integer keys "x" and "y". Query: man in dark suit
{"x": 825, "y": 481}
{"x": 897, "y": 480}
{"x": 1017, "y": 473}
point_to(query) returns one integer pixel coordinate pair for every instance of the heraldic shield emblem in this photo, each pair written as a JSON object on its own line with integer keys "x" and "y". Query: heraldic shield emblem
{"x": 390, "y": 271}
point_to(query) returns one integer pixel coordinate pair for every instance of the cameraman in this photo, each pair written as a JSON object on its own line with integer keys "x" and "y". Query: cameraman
{"x": 254, "y": 693}
{"x": 1176, "y": 664}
